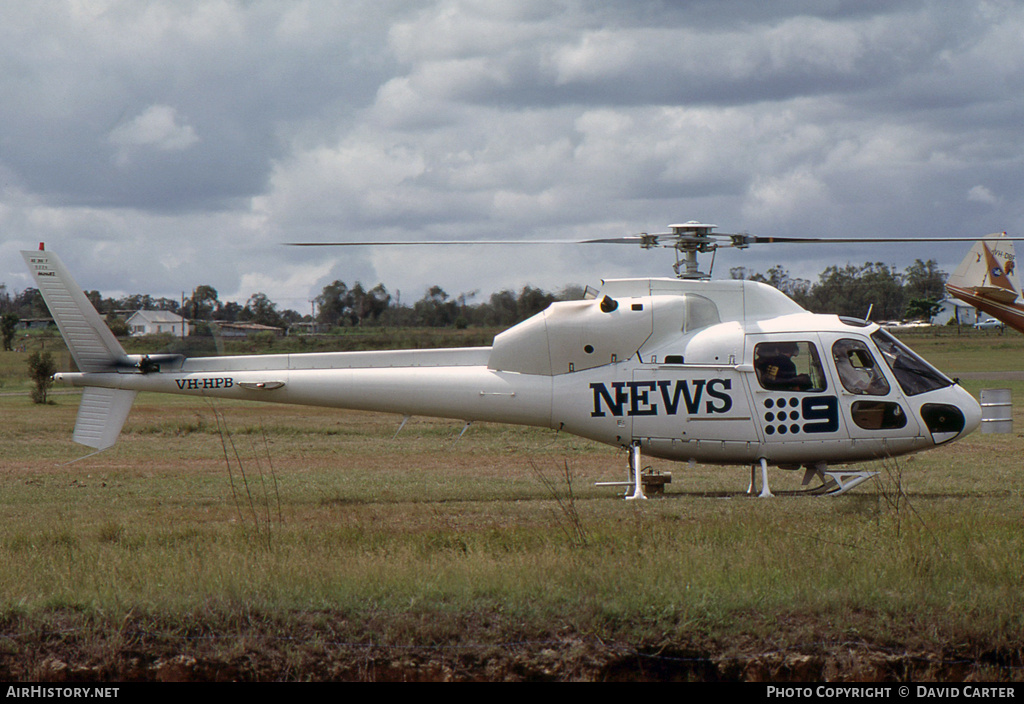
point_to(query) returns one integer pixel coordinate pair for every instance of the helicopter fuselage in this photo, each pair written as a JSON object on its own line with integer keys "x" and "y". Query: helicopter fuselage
{"x": 726, "y": 372}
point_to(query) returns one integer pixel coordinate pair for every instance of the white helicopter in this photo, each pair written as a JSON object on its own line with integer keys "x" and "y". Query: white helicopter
{"x": 720, "y": 372}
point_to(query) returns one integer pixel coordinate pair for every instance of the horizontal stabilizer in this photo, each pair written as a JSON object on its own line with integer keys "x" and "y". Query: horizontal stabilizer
{"x": 101, "y": 416}
{"x": 996, "y": 293}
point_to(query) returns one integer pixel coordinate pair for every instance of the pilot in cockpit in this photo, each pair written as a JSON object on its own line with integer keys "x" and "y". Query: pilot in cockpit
{"x": 776, "y": 369}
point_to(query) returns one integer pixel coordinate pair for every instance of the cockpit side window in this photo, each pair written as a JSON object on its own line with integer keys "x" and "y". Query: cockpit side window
{"x": 857, "y": 369}
{"x": 789, "y": 366}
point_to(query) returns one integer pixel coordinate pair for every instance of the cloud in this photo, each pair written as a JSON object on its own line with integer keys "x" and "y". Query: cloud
{"x": 167, "y": 144}
{"x": 158, "y": 127}
{"x": 980, "y": 194}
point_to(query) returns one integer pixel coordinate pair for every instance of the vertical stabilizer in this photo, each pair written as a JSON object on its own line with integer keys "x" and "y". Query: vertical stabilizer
{"x": 989, "y": 270}
{"x": 101, "y": 415}
{"x": 90, "y": 341}
{"x": 103, "y": 411}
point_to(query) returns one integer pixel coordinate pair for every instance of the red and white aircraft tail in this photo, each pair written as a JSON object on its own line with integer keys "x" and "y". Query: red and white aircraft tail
{"x": 987, "y": 279}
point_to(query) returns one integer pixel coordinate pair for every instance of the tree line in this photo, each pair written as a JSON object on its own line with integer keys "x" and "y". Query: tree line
{"x": 337, "y": 306}
{"x": 853, "y": 290}
{"x": 846, "y": 290}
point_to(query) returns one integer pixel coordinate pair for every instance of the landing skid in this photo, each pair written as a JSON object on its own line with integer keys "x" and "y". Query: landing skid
{"x": 833, "y": 481}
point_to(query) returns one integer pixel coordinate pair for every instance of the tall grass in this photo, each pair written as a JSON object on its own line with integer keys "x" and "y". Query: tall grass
{"x": 716, "y": 564}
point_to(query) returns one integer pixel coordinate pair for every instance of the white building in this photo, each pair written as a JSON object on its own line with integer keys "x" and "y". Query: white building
{"x": 150, "y": 322}
{"x": 955, "y": 309}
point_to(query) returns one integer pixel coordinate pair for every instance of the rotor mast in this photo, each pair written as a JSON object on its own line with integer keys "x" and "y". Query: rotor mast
{"x": 689, "y": 239}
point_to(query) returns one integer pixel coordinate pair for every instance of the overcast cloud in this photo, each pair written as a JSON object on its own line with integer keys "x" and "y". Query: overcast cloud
{"x": 157, "y": 146}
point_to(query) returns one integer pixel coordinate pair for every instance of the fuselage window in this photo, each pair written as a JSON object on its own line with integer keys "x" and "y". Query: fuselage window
{"x": 857, "y": 369}
{"x": 789, "y": 366}
{"x": 878, "y": 415}
{"x": 700, "y": 313}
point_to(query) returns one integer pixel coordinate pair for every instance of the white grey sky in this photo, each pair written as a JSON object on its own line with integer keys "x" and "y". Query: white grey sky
{"x": 157, "y": 146}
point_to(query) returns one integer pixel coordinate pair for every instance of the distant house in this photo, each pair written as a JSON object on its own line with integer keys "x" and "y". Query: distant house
{"x": 34, "y": 323}
{"x": 151, "y": 322}
{"x": 954, "y": 309}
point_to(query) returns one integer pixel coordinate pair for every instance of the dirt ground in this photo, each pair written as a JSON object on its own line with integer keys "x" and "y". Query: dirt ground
{"x": 82, "y": 654}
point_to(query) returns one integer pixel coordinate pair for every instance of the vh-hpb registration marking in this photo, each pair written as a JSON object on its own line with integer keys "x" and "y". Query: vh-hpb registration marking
{"x": 215, "y": 382}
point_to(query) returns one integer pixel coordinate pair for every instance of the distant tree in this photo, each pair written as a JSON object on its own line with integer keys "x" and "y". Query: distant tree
{"x": 925, "y": 284}
{"x": 334, "y": 303}
{"x": 532, "y": 301}
{"x": 136, "y": 301}
{"x": 436, "y": 309}
{"x": 340, "y": 305}
{"x": 41, "y": 369}
{"x": 500, "y": 310}
{"x": 8, "y": 322}
{"x": 30, "y": 304}
{"x": 168, "y": 304}
{"x": 853, "y": 291}
{"x": 506, "y": 308}
{"x": 96, "y": 299}
{"x": 204, "y": 303}
{"x": 231, "y": 311}
{"x": 117, "y": 325}
{"x": 572, "y": 292}
{"x": 368, "y": 305}
{"x": 921, "y": 309}
{"x": 777, "y": 277}
{"x": 398, "y": 315}
{"x": 263, "y": 311}
{"x": 925, "y": 280}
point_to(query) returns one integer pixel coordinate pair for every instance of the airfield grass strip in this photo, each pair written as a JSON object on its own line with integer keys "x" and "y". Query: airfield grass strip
{"x": 429, "y": 541}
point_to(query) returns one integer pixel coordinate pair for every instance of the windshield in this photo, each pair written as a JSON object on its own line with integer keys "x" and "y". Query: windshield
{"x": 914, "y": 374}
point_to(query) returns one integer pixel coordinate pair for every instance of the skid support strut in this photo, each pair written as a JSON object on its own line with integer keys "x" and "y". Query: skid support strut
{"x": 836, "y": 481}
{"x": 636, "y": 466}
{"x": 636, "y": 478}
{"x": 765, "y": 491}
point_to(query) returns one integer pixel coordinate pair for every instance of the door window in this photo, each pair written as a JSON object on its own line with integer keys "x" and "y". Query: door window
{"x": 789, "y": 366}
{"x": 857, "y": 369}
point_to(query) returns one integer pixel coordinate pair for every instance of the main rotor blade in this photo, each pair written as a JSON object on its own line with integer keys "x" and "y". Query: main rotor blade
{"x": 384, "y": 243}
{"x": 768, "y": 239}
{"x": 681, "y": 241}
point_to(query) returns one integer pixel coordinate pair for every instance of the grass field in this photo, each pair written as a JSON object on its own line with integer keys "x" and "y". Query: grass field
{"x": 243, "y": 541}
